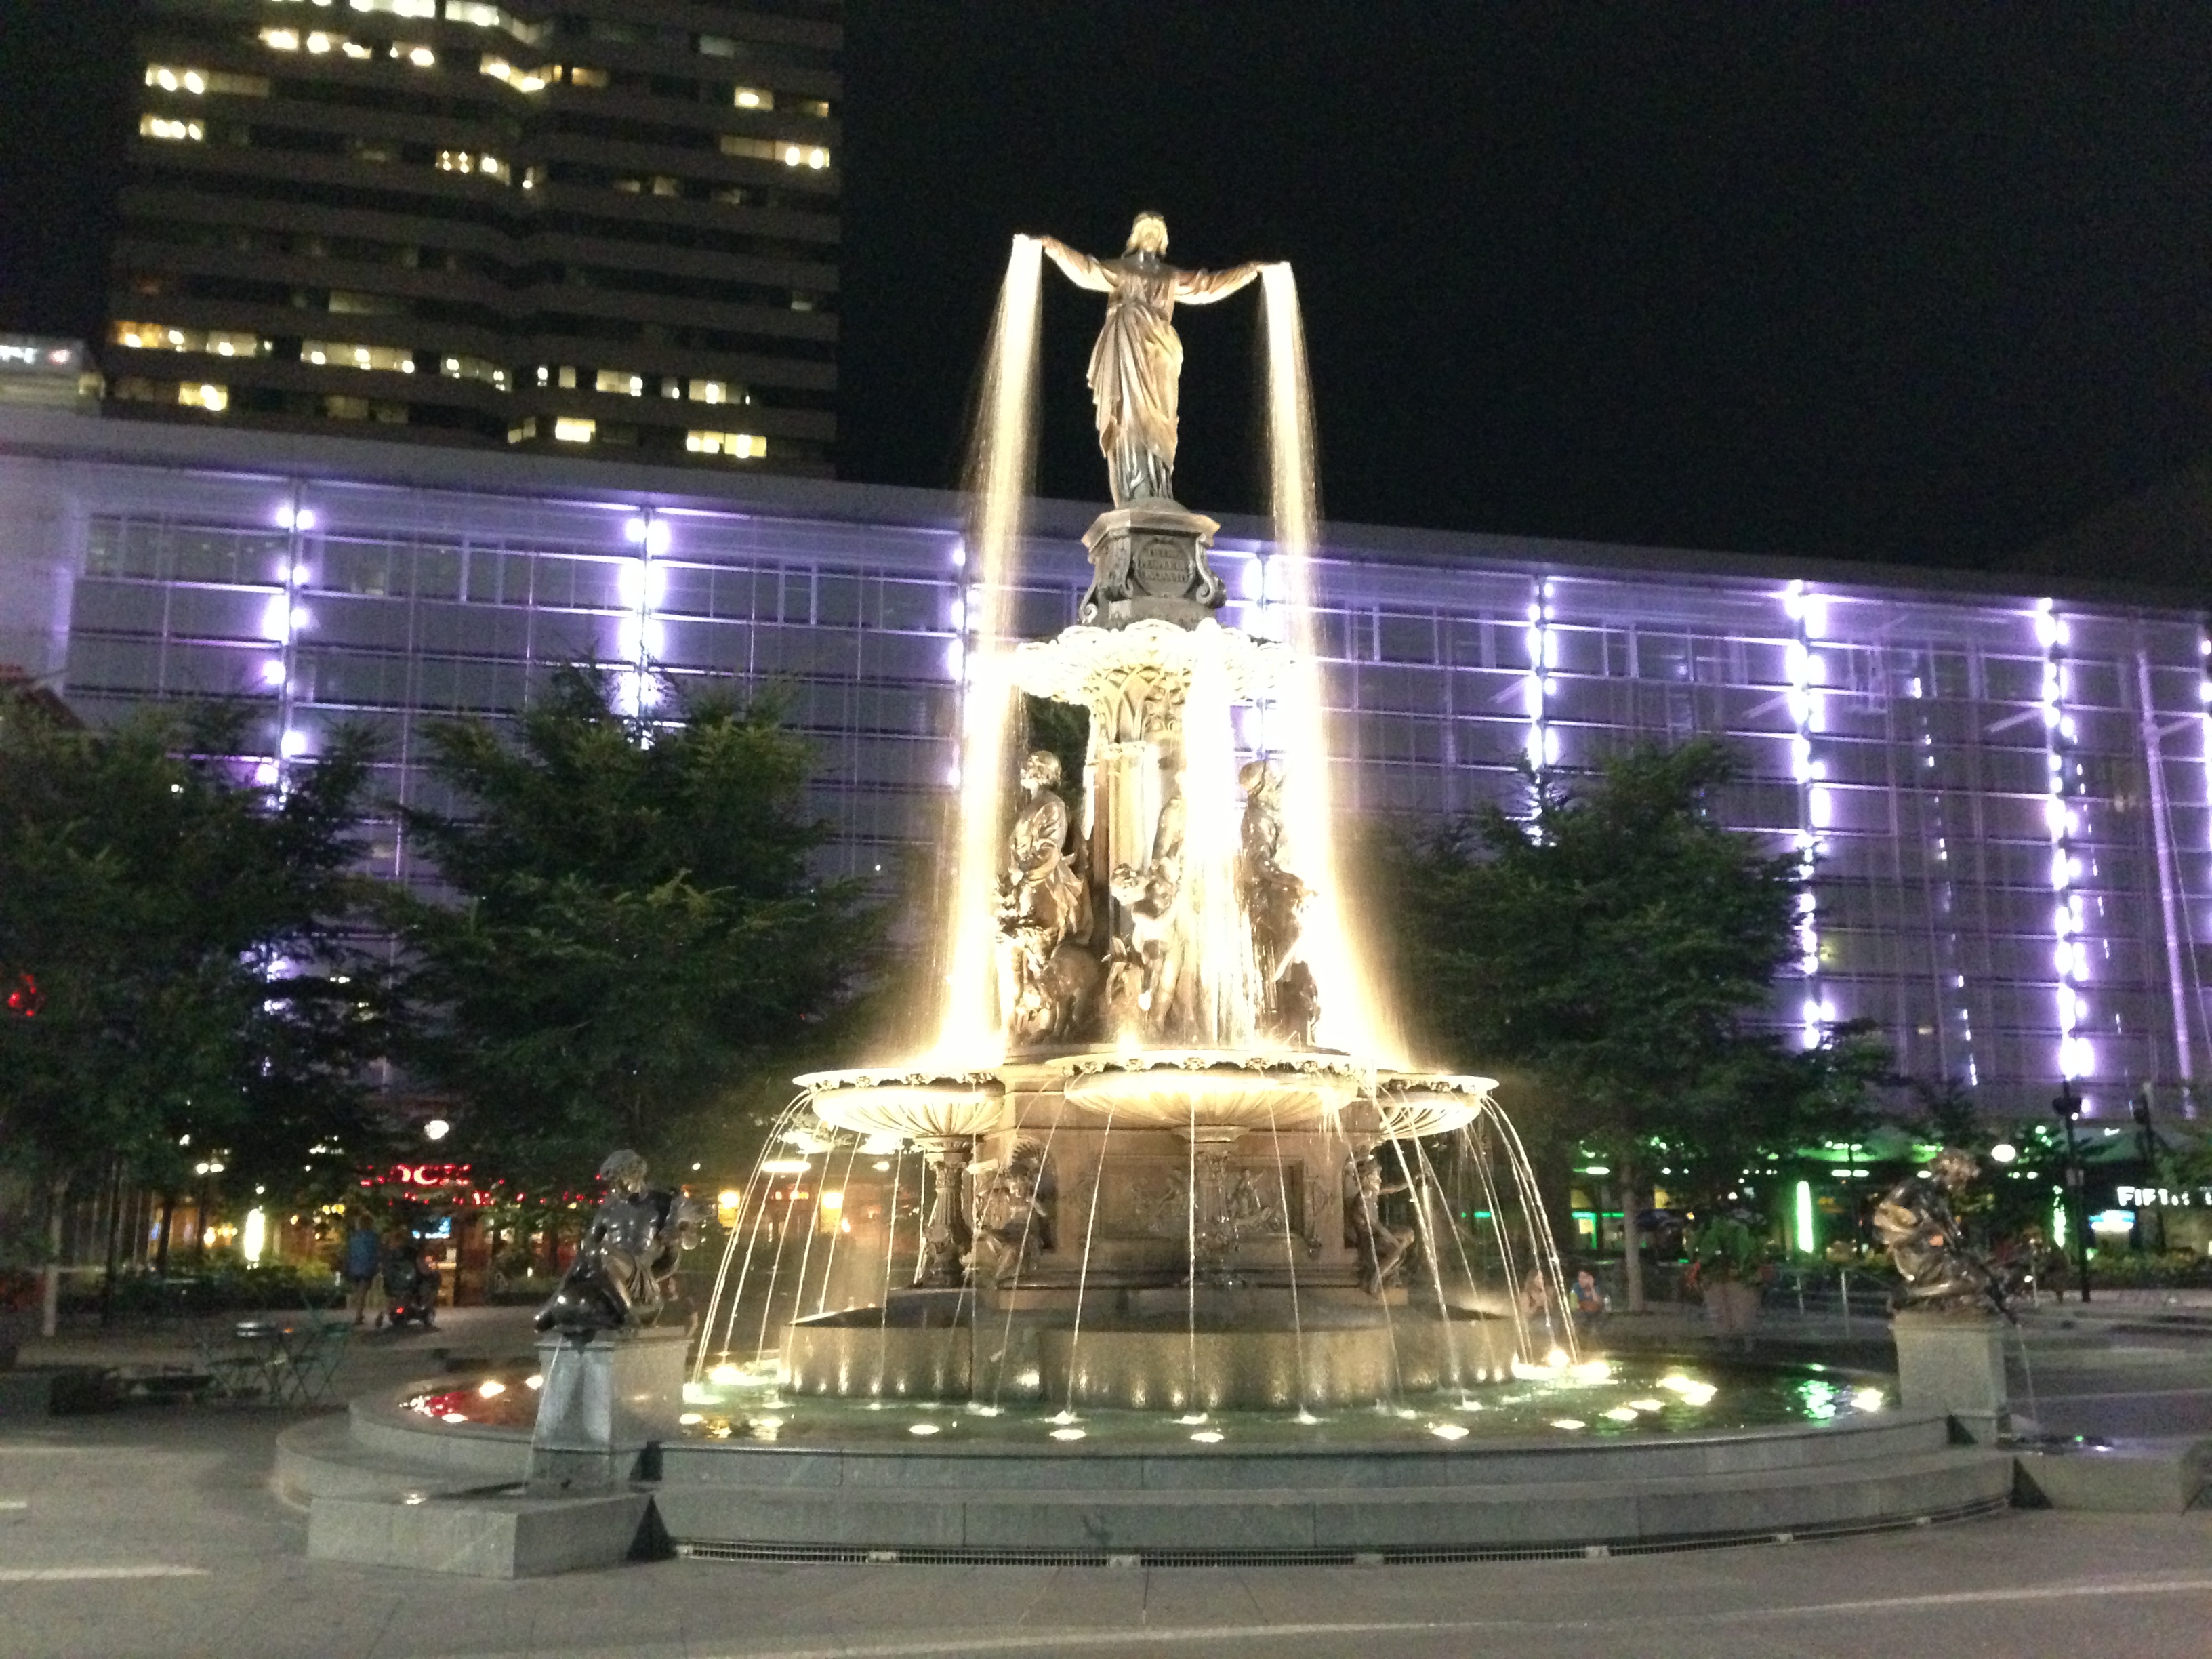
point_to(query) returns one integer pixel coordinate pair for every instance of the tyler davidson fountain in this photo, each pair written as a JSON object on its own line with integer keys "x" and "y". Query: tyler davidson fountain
{"x": 1161, "y": 1126}
{"x": 1159, "y": 1250}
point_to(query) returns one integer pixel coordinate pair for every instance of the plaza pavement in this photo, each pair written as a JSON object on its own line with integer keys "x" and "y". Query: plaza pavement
{"x": 152, "y": 1531}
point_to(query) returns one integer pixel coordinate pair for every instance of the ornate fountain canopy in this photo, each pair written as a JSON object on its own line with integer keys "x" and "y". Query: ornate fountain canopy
{"x": 1209, "y": 1093}
{"x": 1092, "y": 666}
{"x": 1412, "y": 1105}
{"x": 918, "y": 1104}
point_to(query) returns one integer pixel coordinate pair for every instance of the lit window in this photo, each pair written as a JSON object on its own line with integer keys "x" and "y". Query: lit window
{"x": 715, "y": 46}
{"x": 198, "y": 81}
{"x": 621, "y": 382}
{"x": 710, "y": 391}
{"x": 473, "y": 11}
{"x": 397, "y": 7}
{"x": 525, "y": 432}
{"x": 571, "y": 429}
{"x": 323, "y": 42}
{"x": 754, "y": 98}
{"x": 281, "y": 39}
{"x": 818, "y": 107}
{"x": 473, "y": 368}
{"x": 521, "y": 80}
{"x": 737, "y": 446}
{"x": 804, "y": 155}
{"x": 354, "y": 49}
{"x": 421, "y": 57}
{"x": 462, "y": 161}
{"x": 664, "y": 186}
{"x": 156, "y": 336}
{"x": 345, "y": 354}
{"x": 160, "y": 126}
{"x": 581, "y": 76}
{"x": 213, "y": 398}
{"x": 753, "y": 149}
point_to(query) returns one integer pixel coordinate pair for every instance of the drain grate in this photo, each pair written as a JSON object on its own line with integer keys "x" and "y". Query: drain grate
{"x": 703, "y": 1549}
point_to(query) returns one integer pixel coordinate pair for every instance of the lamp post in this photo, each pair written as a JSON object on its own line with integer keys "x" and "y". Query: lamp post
{"x": 2146, "y": 1141}
{"x": 2068, "y": 1106}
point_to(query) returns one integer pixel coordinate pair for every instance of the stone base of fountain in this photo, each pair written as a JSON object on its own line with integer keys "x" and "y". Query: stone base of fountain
{"x": 1212, "y": 1348}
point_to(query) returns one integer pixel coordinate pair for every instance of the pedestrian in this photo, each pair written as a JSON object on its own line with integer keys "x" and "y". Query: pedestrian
{"x": 1589, "y": 1303}
{"x": 364, "y": 1258}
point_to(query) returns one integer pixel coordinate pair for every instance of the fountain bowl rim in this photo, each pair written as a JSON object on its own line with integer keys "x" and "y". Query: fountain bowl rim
{"x": 1251, "y": 1062}
{"x": 1408, "y": 1085}
{"x": 980, "y": 1085}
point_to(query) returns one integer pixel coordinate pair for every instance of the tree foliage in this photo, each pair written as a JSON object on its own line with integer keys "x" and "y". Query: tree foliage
{"x": 176, "y": 940}
{"x": 633, "y": 933}
{"x": 1618, "y": 946}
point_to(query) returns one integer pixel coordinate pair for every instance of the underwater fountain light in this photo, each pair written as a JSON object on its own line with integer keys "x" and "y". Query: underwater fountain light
{"x": 1067, "y": 1434}
{"x": 1648, "y": 1405}
{"x": 1869, "y": 1399}
{"x": 921, "y": 1428}
{"x": 1449, "y": 1431}
{"x": 1207, "y": 1437}
{"x": 1620, "y": 1413}
{"x": 533, "y": 1381}
{"x": 1569, "y": 1423}
{"x": 491, "y": 1388}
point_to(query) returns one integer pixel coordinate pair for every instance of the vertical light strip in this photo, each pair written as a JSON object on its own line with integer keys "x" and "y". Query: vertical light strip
{"x": 1808, "y": 620}
{"x": 290, "y": 616}
{"x": 640, "y": 637}
{"x": 2071, "y": 956}
{"x": 1539, "y": 681}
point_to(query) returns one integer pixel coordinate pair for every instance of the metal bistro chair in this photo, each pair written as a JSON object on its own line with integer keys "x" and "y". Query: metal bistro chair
{"x": 310, "y": 1360}
{"x": 240, "y": 1365}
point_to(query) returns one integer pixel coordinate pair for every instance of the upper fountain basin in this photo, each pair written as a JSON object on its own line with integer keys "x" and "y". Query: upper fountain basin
{"x": 1090, "y": 665}
{"x": 1412, "y": 1105}
{"x": 1210, "y": 1094}
{"x": 918, "y": 1105}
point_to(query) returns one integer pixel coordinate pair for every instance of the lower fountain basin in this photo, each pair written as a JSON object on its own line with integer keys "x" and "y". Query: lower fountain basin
{"x": 1538, "y": 1464}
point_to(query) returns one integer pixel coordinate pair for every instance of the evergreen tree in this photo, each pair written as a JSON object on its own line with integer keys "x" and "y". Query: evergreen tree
{"x": 635, "y": 943}
{"x": 1616, "y": 947}
{"x": 175, "y": 948}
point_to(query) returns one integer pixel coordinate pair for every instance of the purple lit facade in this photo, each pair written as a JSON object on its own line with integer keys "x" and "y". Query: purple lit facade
{"x": 2005, "y": 793}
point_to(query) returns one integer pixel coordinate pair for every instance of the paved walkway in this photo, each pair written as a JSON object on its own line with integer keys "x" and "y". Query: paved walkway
{"x": 152, "y": 1531}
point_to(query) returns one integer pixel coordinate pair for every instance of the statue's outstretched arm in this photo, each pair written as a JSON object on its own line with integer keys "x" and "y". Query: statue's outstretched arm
{"x": 1203, "y": 287}
{"x": 1079, "y": 268}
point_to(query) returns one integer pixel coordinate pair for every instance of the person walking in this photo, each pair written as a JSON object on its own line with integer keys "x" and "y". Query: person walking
{"x": 364, "y": 1260}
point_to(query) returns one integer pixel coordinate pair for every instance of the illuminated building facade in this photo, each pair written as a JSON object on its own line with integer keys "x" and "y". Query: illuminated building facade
{"x": 2005, "y": 793}
{"x": 603, "y": 225}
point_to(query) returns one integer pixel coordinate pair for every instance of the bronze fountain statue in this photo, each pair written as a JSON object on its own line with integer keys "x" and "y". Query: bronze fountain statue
{"x": 1928, "y": 1247}
{"x": 625, "y": 1265}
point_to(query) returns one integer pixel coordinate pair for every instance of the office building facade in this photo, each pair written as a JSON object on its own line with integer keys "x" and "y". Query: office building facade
{"x": 595, "y": 227}
{"x": 2003, "y": 794}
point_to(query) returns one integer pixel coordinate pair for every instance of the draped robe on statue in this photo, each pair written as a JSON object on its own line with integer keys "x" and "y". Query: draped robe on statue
{"x": 1137, "y": 365}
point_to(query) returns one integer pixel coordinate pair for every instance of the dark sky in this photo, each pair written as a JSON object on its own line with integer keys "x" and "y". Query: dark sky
{"x": 1914, "y": 282}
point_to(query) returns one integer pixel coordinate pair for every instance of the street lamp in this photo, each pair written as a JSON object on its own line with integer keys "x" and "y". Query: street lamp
{"x": 2147, "y": 1139}
{"x": 2068, "y": 1106}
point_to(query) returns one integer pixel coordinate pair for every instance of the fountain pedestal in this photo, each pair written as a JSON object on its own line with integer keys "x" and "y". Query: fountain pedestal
{"x": 1953, "y": 1363}
{"x": 604, "y": 1401}
{"x": 1149, "y": 560}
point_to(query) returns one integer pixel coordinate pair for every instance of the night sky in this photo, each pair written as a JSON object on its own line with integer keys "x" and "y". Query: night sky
{"x": 1912, "y": 281}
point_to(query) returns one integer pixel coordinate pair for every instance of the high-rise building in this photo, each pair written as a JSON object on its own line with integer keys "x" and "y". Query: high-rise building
{"x": 583, "y": 226}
